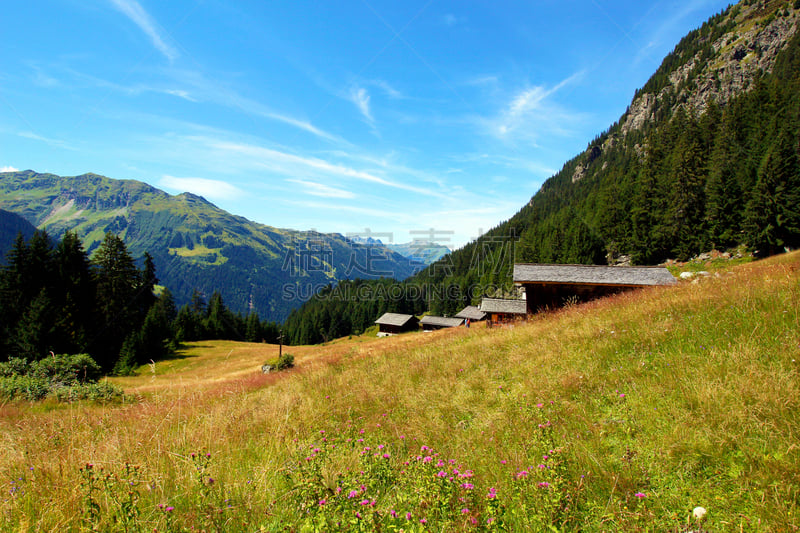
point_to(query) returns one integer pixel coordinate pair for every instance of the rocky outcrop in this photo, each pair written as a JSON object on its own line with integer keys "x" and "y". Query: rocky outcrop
{"x": 737, "y": 59}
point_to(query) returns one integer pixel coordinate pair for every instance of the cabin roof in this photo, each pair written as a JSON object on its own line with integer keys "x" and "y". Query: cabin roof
{"x": 471, "y": 312}
{"x": 592, "y": 274}
{"x": 498, "y": 305}
{"x": 447, "y": 322}
{"x": 394, "y": 319}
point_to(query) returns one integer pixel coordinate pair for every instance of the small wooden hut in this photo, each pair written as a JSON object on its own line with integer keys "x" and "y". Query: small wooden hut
{"x": 471, "y": 313}
{"x": 551, "y": 286}
{"x": 394, "y": 323}
{"x": 503, "y": 310}
{"x": 431, "y": 323}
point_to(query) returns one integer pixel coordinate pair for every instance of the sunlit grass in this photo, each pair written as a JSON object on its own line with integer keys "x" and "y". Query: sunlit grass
{"x": 657, "y": 401}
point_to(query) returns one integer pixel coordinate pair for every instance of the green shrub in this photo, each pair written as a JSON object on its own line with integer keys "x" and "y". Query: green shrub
{"x": 282, "y": 363}
{"x": 68, "y": 369}
{"x": 102, "y": 391}
{"x": 23, "y": 388}
{"x": 64, "y": 377}
{"x": 62, "y": 368}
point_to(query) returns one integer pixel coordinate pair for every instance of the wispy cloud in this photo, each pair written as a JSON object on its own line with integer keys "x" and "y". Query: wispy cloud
{"x": 291, "y": 164}
{"x": 531, "y": 113}
{"x": 360, "y": 97}
{"x": 198, "y": 88}
{"x": 8, "y": 169}
{"x": 207, "y": 188}
{"x": 134, "y": 11}
{"x": 390, "y": 91}
{"x": 47, "y": 140}
{"x": 318, "y": 189}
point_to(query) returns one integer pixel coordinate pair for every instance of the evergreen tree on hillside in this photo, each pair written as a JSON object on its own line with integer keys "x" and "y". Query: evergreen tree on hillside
{"x": 724, "y": 200}
{"x": 118, "y": 283}
{"x": 75, "y": 301}
{"x": 773, "y": 213}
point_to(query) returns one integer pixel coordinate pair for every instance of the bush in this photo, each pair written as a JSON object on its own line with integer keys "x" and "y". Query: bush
{"x": 282, "y": 363}
{"x": 102, "y": 391}
{"x": 23, "y": 388}
{"x": 68, "y": 369}
{"x": 57, "y": 369}
{"x": 66, "y": 378}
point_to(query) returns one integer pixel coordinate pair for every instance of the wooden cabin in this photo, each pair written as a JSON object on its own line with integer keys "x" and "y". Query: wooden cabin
{"x": 552, "y": 286}
{"x": 471, "y": 313}
{"x": 502, "y": 310}
{"x": 431, "y": 323}
{"x": 394, "y": 323}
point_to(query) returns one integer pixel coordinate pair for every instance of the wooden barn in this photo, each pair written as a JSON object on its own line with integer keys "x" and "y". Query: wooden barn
{"x": 552, "y": 286}
{"x": 471, "y": 313}
{"x": 503, "y": 310}
{"x": 431, "y": 323}
{"x": 394, "y": 323}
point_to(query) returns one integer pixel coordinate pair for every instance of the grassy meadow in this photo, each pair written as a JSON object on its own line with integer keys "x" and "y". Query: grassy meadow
{"x": 623, "y": 414}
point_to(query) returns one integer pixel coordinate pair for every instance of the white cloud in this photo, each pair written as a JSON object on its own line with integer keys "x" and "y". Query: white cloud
{"x": 8, "y": 169}
{"x": 207, "y": 188}
{"x": 360, "y": 97}
{"x": 47, "y": 140}
{"x": 180, "y": 94}
{"x": 291, "y": 164}
{"x": 532, "y": 112}
{"x": 390, "y": 91}
{"x": 318, "y": 189}
{"x": 134, "y": 11}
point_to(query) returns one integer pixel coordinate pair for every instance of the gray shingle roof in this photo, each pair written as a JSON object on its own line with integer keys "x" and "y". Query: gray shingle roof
{"x": 447, "y": 322}
{"x": 497, "y": 305}
{"x": 471, "y": 312}
{"x": 394, "y": 319}
{"x": 592, "y": 274}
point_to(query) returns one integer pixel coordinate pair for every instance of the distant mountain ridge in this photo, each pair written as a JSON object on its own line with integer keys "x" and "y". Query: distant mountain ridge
{"x": 195, "y": 245}
{"x": 419, "y": 250}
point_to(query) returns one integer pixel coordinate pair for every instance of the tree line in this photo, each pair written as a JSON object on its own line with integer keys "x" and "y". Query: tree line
{"x": 54, "y": 299}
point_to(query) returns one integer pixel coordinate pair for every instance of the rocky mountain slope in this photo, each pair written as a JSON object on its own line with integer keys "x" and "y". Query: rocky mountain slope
{"x": 195, "y": 245}
{"x": 706, "y": 156}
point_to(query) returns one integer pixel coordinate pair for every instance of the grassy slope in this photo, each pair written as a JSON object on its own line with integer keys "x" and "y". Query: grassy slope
{"x": 687, "y": 395}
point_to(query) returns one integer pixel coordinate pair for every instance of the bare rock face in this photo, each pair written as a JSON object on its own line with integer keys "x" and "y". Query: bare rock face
{"x": 738, "y": 56}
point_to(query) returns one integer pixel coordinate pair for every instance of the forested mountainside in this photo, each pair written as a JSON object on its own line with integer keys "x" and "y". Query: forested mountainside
{"x": 12, "y": 225}
{"x": 196, "y": 246}
{"x": 705, "y": 156}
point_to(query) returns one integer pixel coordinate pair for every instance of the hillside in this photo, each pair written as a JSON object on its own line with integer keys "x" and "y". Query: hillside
{"x": 195, "y": 245}
{"x": 624, "y": 414}
{"x": 12, "y": 225}
{"x": 705, "y": 156}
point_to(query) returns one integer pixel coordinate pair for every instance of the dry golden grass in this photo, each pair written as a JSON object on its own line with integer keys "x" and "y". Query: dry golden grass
{"x": 709, "y": 415}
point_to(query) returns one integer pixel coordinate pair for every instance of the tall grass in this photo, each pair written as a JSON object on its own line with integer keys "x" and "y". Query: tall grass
{"x": 645, "y": 405}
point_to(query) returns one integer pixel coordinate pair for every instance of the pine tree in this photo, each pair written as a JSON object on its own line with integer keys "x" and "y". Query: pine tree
{"x": 773, "y": 213}
{"x": 118, "y": 282}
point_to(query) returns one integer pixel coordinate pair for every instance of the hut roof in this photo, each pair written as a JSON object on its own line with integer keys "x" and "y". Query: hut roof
{"x": 592, "y": 274}
{"x": 446, "y": 322}
{"x": 498, "y": 305}
{"x": 471, "y": 312}
{"x": 394, "y": 319}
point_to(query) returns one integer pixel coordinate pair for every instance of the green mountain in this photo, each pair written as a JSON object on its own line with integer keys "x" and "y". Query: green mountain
{"x": 195, "y": 245}
{"x": 706, "y": 156}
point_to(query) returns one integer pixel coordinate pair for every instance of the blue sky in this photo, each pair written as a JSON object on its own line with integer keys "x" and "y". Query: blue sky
{"x": 346, "y": 116}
